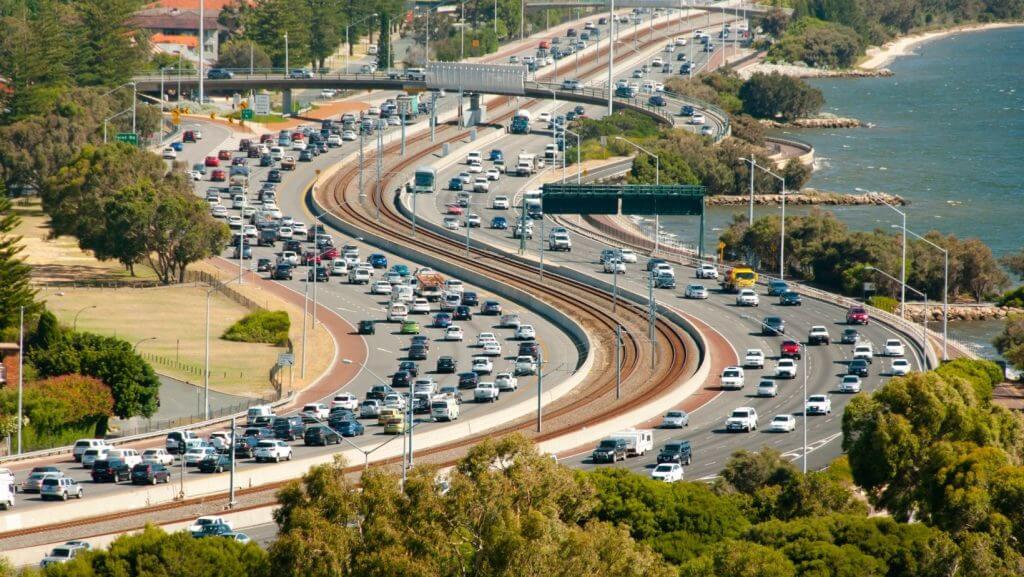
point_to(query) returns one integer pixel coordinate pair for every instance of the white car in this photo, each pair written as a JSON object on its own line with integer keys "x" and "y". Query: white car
{"x": 525, "y": 333}
{"x": 707, "y": 130}
{"x": 380, "y": 288}
{"x": 732, "y": 378}
{"x": 299, "y": 229}
{"x": 668, "y": 472}
{"x": 742, "y": 419}
{"x": 130, "y": 457}
{"x": 492, "y": 350}
{"x": 334, "y": 140}
{"x": 159, "y": 456}
{"x": 747, "y": 298}
{"x": 482, "y": 366}
{"x": 289, "y": 257}
{"x": 486, "y": 392}
{"x": 345, "y": 401}
{"x": 849, "y": 384}
{"x": 863, "y": 351}
{"x": 707, "y": 270}
{"x": 675, "y": 420}
{"x": 219, "y": 211}
{"x": 475, "y": 168}
{"x": 473, "y": 220}
{"x": 299, "y": 145}
{"x": 663, "y": 269}
{"x": 753, "y": 359}
{"x": 234, "y": 221}
{"x": 285, "y": 233}
{"x": 484, "y": 338}
{"x": 452, "y": 223}
{"x": 506, "y": 382}
{"x": 196, "y": 454}
{"x": 893, "y": 348}
{"x": 696, "y": 291}
{"x": 818, "y": 405}
{"x": 493, "y": 174}
{"x": 348, "y": 135}
{"x": 250, "y": 231}
{"x": 627, "y": 255}
{"x": 316, "y": 410}
{"x": 697, "y": 118}
{"x": 544, "y": 117}
{"x": 525, "y": 365}
{"x": 453, "y": 334}
{"x": 420, "y": 306}
{"x": 272, "y": 450}
{"x": 198, "y": 525}
{"x": 481, "y": 184}
{"x": 500, "y": 203}
{"x": 900, "y": 367}
{"x": 169, "y": 153}
{"x": 614, "y": 266}
{"x": 474, "y": 157}
{"x": 782, "y": 424}
{"x": 785, "y": 369}
{"x": 767, "y": 388}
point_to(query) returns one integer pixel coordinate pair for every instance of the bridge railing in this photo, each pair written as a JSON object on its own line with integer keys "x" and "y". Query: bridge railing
{"x": 280, "y": 74}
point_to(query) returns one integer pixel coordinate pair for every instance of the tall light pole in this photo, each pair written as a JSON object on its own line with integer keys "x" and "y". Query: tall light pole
{"x": 136, "y": 346}
{"x": 903, "y": 262}
{"x": 74, "y": 324}
{"x": 657, "y": 182}
{"x": 348, "y": 47}
{"x": 202, "y": 49}
{"x": 807, "y": 369}
{"x": 286, "y": 54}
{"x": 611, "y": 51}
{"x": 945, "y": 292}
{"x": 782, "y": 224}
{"x": 922, "y": 294}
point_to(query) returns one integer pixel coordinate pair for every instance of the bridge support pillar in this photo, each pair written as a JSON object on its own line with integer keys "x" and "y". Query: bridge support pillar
{"x": 477, "y": 113}
{"x": 286, "y": 102}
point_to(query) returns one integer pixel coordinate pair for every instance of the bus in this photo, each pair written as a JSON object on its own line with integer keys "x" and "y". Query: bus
{"x": 424, "y": 179}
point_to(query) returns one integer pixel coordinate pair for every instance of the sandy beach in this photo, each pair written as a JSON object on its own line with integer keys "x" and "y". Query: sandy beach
{"x": 880, "y": 56}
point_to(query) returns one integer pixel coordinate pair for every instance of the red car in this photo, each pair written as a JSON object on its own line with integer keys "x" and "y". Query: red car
{"x": 266, "y": 138}
{"x": 454, "y": 209}
{"x": 790, "y": 349}
{"x": 224, "y": 155}
{"x": 857, "y": 315}
{"x": 309, "y": 257}
{"x": 330, "y": 253}
{"x": 218, "y": 176}
{"x": 298, "y": 136}
{"x": 188, "y": 136}
{"x": 212, "y": 161}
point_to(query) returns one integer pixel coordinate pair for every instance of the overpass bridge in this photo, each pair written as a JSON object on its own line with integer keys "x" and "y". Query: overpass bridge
{"x": 732, "y": 7}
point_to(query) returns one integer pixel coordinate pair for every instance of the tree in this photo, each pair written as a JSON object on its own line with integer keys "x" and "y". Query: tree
{"x": 270, "y": 20}
{"x": 776, "y": 95}
{"x": 385, "y": 57}
{"x": 1010, "y": 342}
{"x": 1014, "y": 262}
{"x": 16, "y": 289}
{"x": 325, "y": 22}
{"x": 775, "y": 22}
{"x": 108, "y": 49}
{"x": 739, "y": 559}
{"x": 979, "y": 270}
{"x": 37, "y": 71}
{"x": 241, "y": 54}
{"x": 179, "y": 232}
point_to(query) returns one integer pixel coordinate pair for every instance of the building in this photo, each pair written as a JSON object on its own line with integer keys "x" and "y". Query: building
{"x": 9, "y": 364}
{"x": 164, "y": 23}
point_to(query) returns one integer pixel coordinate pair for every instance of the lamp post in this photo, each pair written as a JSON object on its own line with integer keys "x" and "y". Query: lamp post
{"x": 74, "y": 324}
{"x": 611, "y": 51}
{"x": 903, "y": 262}
{"x": 348, "y": 47}
{"x": 109, "y": 118}
{"x": 407, "y": 453}
{"x": 202, "y": 49}
{"x": 286, "y": 54}
{"x": 945, "y": 291}
{"x": 135, "y": 95}
{"x": 136, "y": 346}
{"x": 807, "y": 369}
{"x": 579, "y": 165}
{"x": 657, "y": 182}
{"x": 782, "y": 223}
{"x": 924, "y": 329}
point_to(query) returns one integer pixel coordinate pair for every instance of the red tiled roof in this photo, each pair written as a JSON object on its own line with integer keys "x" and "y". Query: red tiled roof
{"x": 183, "y": 39}
{"x": 173, "y": 19}
{"x": 189, "y": 4}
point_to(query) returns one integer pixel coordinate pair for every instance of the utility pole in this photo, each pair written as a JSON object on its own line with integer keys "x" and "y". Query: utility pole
{"x": 652, "y": 315}
{"x": 202, "y": 50}
{"x": 618, "y": 361}
{"x": 21, "y": 372}
{"x": 231, "y": 479}
{"x": 753, "y": 166}
{"x": 362, "y": 193}
{"x": 540, "y": 387}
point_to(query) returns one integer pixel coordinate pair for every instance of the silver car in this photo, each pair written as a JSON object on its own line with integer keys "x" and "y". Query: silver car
{"x": 62, "y": 488}
{"x": 696, "y": 291}
{"x": 34, "y": 482}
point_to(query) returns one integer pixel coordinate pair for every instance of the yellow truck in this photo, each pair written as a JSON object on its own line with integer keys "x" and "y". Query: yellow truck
{"x": 738, "y": 277}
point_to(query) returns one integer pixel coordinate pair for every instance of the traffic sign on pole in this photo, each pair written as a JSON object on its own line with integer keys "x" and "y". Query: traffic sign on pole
{"x": 285, "y": 360}
{"x": 247, "y": 114}
{"x": 129, "y": 137}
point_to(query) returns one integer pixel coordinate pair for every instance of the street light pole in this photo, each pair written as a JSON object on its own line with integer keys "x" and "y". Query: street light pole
{"x": 74, "y": 324}
{"x": 286, "y": 55}
{"x": 657, "y": 182}
{"x": 807, "y": 368}
{"x": 922, "y": 294}
{"x": 202, "y": 49}
{"x": 903, "y": 262}
{"x": 782, "y": 224}
{"x": 611, "y": 51}
{"x": 136, "y": 347}
{"x": 945, "y": 293}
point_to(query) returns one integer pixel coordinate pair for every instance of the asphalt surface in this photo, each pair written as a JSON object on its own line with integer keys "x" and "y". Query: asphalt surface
{"x": 178, "y": 399}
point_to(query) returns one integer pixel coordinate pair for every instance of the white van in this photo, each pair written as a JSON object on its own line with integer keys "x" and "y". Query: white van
{"x": 258, "y": 411}
{"x": 339, "y": 267}
{"x": 401, "y": 293}
{"x": 358, "y": 275}
{"x": 131, "y": 457}
{"x": 82, "y": 445}
{"x": 7, "y": 496}
{"x": 398, "y": 312}
{"x": 444, "y": 409}
{"x": 371, "y": 49}
{"x": 238, "y": 201}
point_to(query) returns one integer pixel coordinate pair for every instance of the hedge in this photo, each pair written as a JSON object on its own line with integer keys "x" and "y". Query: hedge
{"x": 269, "y": 327}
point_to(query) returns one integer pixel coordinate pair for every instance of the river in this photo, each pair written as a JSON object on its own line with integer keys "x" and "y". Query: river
{"x": 946, "y": 133}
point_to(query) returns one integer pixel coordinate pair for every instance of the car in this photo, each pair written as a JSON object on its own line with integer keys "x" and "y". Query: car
{"x": 785, "y": 369}
{"x": 772, "y": 326}
{"x": 491, "y": 349}
{"x": 614, "y": 266}
{"x": 893, "y": 348}
{"x": 506, "y": 382}
{"x": 732, "y": 378}
{"x": 818, "y": 335}
{"x": 273, "y": 176}
{"x": 782, "y": 424}
{"x": 767, "y": 388}
{"x": 417, "y": 353}
{"x": 197, "y": 453}
{"x": 858, "y": 367}
{"x": 742, "y": 419}
{"x": 818, "y": 405}
{"x": 320, "y": 436}
{"x": 273, "y": 450}
{"x": 790, "y": 349}
{"x": 490, "y": 307}
{"x": 410, "y": 328}
{"x": 747, "y": 298}
{"x": 442, "y": 320}
{"x": 707, "y": 270}
{"x": 350, "y": 427}
{"x": 697, "y": 118}
{"x": 300, "y": 73}
{"x": 525, "y": 332}
{"x": 777, "y": 287}
{"x": 791, "y": 299}
{"x": 482, "y": 365}
{"x": 62, "y": 488}
{"x": 452, "y": 222}
{"x": 849, "y": 384}
{"x": 380, "y": 288}
{"x": 676, "y": 451}
{"x": 370, "y": 408}
{"x": 668, "y": 472}
{"x": 158, "y": 456}
{"x": 316, "y": 410}
{"x": 215, "y": 464}
{"x": 219, "y": 74}
{"x": 610, "y": 450}
{"x": 499, "y": 223}
{"x": 82, "y": 445}
{"x": 900, "y": 367}
{"x": 453, "y": 334}
{"x": 468, "y": 380}
{"x": 675, "y": 420}
{"x": 169, "y": 153}
{"x": 500, "y": 203}
{"x": 657, "y": 100}
{"x": 849, "y": 337}
{"x": 207, "y": 524}
{"x": 114, "y": 470}
{"x": 857, "y": 315}
{"x": 525, "y": 365}
{"x": 863, "y": 351}
{"x": 62, "y": 554}
{"x": 696, "y": 291}
{"x": 753, "y": 359}
{"x": 486, "y": 392}
{"x": 345, "y": 401}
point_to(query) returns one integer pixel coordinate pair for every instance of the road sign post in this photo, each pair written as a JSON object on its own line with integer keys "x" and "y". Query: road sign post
{"x": 247, "y": 114}
{"x": 129, "y": 137}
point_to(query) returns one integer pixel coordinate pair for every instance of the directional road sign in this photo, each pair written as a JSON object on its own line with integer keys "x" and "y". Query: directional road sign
{"x": 129, "y": 137}
{"x": 286, "y": 360}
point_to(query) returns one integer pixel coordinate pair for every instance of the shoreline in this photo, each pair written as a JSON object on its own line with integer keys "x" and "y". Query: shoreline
{"x": 880, "y": 56}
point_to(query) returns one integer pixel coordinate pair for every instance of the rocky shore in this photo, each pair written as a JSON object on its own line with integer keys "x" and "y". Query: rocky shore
{"x": 820, "y": 122}
{"x": 809, "y": 196}
{"x": 801, "y": 70}
{"x": 961, "y": 312}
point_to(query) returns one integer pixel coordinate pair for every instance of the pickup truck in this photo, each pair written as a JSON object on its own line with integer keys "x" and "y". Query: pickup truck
{"x": 818, "y": 405}
{"x": 288, "y": 163}
{"x": 818, "y": 336}
{"x": 753, "y": 359}
{"x": 742, "y": 419}
{"x": 610, "y": 450}
{"x": 732, "y": 378}
{"x": 486, "y": 392}
{"x": 785, "y": 369}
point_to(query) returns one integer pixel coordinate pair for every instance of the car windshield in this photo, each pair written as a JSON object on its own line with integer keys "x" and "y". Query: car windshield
{"x": 731, "y": 373}
{"x": 740, "y": 414}
{"x": 61, "y": 552}
{"x": 674, "y": 414}
{"x": 673, "y": 447}
{"x": 609, "y": 444}
{"x": 663, "y": 468}
{"x": 781, "y": 419}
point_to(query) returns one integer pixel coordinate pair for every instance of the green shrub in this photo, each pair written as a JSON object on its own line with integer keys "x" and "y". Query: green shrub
{"x": 269, "y": 327}
{"x": 887, "y": 304}
{"x": 1013, "y": 298}
{"x": 982, "y": 375}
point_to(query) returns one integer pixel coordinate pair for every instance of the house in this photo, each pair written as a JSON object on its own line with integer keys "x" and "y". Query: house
{"x": 9, "y": 364}
{"x": 163, "y": 23}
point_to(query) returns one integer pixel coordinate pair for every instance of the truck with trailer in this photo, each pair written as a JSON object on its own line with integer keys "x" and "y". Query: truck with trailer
{"x": 738, "y": 277}
{"x": 429, "y": 285}
{"x": 528, "y": 163}
{"x": 638, "y": 441}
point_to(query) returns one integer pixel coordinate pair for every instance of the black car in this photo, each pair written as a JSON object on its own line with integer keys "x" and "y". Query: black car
{"x": 410, "y": 367}
{"x": 664, "y": 281}
{"x": 379, "y": 392}
{"x": 215, "y": 464}
{"x": 401, "y": 379}
{"x": 150, "y": 474}
{"x": 446, "y": 364}
{"x": 293, "y": 245}
{"x": 773, "y": 326}
{"x": 321, "y": 436}
{"x": 850, "y": 337}
{"x": 282, "y": 271}
{"x": 463, "y": 313}
{"x": 610, "y": 451}
{"x": 266, "y": 160}
{"x": 417, "y": 353}
{"x": 468, "y": 380}
{"x": 219, "y": 74}
{"x": 367, "y": 327}
{"x": 340, "y": 413}
{"x": 245, "y": 448}
{"x": 264, "y": 265}
{"x": 274, "y": 175}
{"x": 654, "y": 261}
{"x": 791, "y": 298}
{"x": 321, "y": 274}
{"x": 288, "y": 428}
{"x": 857, "y": 367}
{"x": 579, "y": 110}
{"x": 470, "y": 299}
{"x": 115, "y": 470}
{"x": 306, "y": 156}
{"x": 529, "y": 349}
{"x": 657, "y": 100}
{"x": 676, "y": 452}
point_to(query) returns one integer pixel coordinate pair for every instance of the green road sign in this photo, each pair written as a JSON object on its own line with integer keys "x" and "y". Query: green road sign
{"x": 636, "y": 199}
{"x": 129, "y": 137}
{"x": 247, "y": 114}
